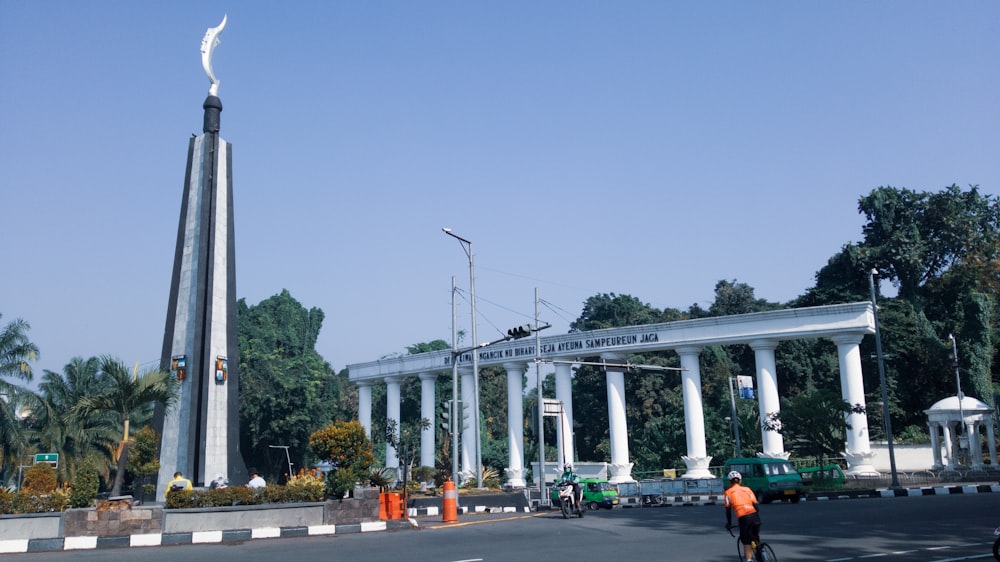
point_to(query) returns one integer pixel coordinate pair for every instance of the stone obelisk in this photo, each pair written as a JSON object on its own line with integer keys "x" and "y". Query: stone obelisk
{"x": 200, "y": 434}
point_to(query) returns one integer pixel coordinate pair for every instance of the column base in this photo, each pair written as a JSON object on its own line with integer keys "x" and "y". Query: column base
{"x": 774, "y": 455}
{"x": 860, "y": 463}
{"x": 515, "y": 477}
{"x": 620, "y": 473}
{"x": 697, "y": 467}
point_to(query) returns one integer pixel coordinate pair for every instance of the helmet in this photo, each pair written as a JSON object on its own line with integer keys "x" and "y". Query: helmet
{"x": 568, "y": 468}
{"x": 734, "y": 475}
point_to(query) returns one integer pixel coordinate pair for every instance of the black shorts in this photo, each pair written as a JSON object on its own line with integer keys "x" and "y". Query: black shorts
{"x": 750, "y": 528}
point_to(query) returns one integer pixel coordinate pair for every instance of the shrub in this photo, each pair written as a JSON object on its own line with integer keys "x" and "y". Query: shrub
{"x": 39, "y": 479}
{"x": 306, "y": 487}
{"x": 85, "y": 486}
{"x": 338, "y": 482}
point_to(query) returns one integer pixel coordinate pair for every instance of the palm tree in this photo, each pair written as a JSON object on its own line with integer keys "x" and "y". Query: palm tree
{"x": 75, "y": 438}
{"x": 124, "y": 396}
{"x": 15, "y": 352}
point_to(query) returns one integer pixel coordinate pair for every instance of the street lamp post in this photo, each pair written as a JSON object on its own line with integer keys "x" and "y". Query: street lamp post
{"x": 287, "y": 458}
{"x": 958, "y": 384}
{"x": 455, "y": 410}
{"x": 736, "y": 424}
{"x": 881, "y": 377}
{"x": 467, "y": 247}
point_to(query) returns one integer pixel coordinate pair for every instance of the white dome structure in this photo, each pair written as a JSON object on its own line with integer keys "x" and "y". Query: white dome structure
{"x": 955, "y": 419}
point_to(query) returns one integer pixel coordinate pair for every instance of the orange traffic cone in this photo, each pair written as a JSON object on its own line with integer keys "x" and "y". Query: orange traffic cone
{"x": 449, "y": 506}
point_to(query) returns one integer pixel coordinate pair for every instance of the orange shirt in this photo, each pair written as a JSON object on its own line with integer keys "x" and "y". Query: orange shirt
{"x": 741, "y": 499}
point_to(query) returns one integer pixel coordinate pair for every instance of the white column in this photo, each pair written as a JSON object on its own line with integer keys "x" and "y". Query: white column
{"x": 858, "y": 450}
{"x": 515, "y": 424}
{"x": 767, "y": 385}
{"x": 934, "y": 429}
{"x": 991, "y": 441}
{"x": 621, "y": 468}
{"x": 949, "y": 448}
{"x": 467, "y": 442}
{"x": 365, "y": 406}
{"x": 975, "y": 444}
{"x": 697, "y": 459}
{"x": 564, "y": 394}
{"x": 427, "y": 434}
{"x": 392, "y": 413}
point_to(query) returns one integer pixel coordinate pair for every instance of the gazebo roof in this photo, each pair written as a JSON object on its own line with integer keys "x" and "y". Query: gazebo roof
{"x": 950, "y": 404}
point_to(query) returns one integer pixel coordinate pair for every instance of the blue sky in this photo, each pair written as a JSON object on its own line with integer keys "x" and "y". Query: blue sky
{"x": 641, "y": 148}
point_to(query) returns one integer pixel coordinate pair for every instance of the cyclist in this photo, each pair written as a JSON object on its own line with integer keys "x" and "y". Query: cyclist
{"x": 743, "y": 501}
{"x": 571, "y": 478}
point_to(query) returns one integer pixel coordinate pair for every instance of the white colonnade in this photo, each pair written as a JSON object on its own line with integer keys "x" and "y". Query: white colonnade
{"x": 846, "y": 325}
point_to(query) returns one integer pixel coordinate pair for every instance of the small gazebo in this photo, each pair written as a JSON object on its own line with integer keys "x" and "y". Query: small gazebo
{"x": 955, "y": 420}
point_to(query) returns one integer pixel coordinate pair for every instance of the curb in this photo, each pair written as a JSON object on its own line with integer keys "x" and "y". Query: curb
{"x": 465, "y": 510}
{"x": 904, "y": 492}
{"x": 197, "y": 537}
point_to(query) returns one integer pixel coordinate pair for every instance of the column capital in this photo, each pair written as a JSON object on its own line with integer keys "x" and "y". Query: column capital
{"x": 428, "y": 376}
{"x": 613, "y": 356}
{"x": 393, "y": 379}
{"x": 848, "y": 339}
{"x": 367, "y": 383}
{"x": 760, "y": 345}
{"x": 689, "y": 350}
{"x": 515, "y": 366}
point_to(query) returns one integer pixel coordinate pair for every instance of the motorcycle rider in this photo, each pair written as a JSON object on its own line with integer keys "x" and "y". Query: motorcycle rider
{"x": 570, "y": 477}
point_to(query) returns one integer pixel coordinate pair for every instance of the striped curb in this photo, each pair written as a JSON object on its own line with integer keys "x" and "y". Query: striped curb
{"x": 198, "y": 537}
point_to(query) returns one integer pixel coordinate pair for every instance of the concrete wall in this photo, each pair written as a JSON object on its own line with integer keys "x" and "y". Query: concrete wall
{"x": 140, "y": 520}
{"x": 31, "y": 526}
{"x": 242, "y": 517}
{"x": 909, "y": 458}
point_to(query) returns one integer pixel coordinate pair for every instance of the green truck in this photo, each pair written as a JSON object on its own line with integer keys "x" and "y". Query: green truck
{"x": 597, "y": 493}
{"x": 770, "y": 479}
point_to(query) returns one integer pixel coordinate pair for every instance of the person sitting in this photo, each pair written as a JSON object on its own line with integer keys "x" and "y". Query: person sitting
{"x": 572, "y": 479}
{"x": 256, "y": 481}
{"x": 178, "y": 483}
{"x": 220, "y": 482}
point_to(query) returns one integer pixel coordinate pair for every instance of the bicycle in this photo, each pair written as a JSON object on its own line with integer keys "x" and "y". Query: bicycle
{"x": 762, "y": 552}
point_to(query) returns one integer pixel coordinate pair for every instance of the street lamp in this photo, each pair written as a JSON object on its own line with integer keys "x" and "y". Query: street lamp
{"x": 467, "y": 248}
{"x": 881, "y": 378}
{"x": 736, "y": 424}
{"x": 287, "y": 458}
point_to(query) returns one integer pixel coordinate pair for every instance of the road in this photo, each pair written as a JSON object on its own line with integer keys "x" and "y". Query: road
{"x": 909, "y": 529}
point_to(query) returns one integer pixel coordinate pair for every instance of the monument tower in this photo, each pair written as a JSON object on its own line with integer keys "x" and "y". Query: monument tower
{"x": 200, "y": 434}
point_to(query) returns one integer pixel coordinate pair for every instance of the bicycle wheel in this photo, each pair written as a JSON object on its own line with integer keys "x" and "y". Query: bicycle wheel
{"x": 765, "y": 553}
{"x": 739, "y": 550}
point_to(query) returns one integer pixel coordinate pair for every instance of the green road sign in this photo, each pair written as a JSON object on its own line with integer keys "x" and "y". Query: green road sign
{"x": 50, "y": 458}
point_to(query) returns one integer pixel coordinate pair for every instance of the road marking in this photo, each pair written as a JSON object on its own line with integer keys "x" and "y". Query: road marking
{"x": 452, "y": 526}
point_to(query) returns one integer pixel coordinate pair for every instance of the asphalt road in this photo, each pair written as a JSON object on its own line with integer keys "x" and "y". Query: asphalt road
{"x": 907, "y": 529}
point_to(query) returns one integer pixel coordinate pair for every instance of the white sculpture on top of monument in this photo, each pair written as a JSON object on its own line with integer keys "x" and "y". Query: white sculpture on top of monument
{"x": 208, "y": 45}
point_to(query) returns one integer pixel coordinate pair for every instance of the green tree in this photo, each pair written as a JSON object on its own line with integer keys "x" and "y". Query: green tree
{"x": 813, "y": 423}
{"x": 123, "y": 396}
{"x": 144, "y": 460}
{"x": 345, "y": 446}
{"x": 77, "y": 439}
{"x": 16, "y": 350}
{"x": 287, "y": 391}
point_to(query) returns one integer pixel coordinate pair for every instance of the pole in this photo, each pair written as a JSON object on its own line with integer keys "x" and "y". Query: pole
{"x": 287, "y": 458}
{"x": 467, "y": 248}
{"x": 542, "y": 497}
{"x": 736, "y": 425}
{"x": 475, "y": 374}
{"x": 881, "y": 378}
{"x": 454, "y": 385}
{"x": 958, "y": 385}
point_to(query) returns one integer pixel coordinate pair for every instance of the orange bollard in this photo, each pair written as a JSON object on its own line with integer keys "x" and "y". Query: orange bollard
{"x": 449, "y": 505}
{"x": 382, "y": 514}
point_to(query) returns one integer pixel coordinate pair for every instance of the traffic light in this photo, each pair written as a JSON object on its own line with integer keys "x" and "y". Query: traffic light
{"x": 446, "y": 416}
{"x": 221, "y": 369}
{"x": 464, "y": 421}
{"x": 520, "y": 331}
